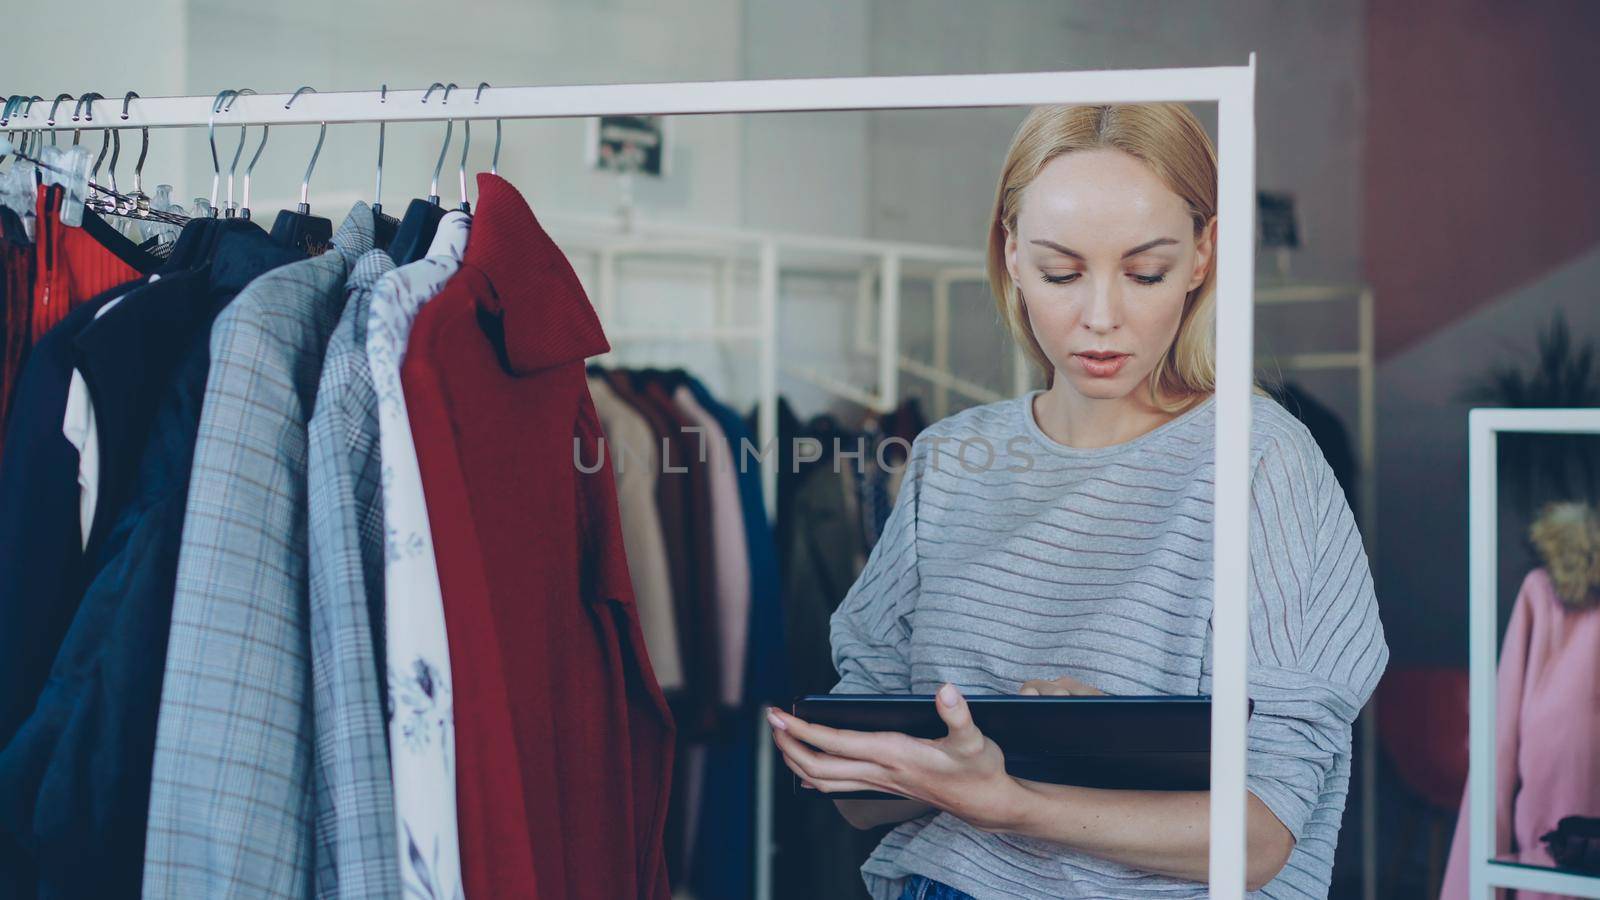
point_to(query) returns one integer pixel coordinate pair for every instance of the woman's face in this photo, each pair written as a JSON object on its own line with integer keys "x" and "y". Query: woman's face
{"x": 1104, "y": 254}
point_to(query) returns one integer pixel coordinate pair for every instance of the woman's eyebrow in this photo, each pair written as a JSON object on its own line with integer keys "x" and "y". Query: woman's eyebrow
{"x": 1134, "y": 252}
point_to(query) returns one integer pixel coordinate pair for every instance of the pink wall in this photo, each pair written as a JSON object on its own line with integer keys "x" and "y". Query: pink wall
{"x": 1482, "y": 156}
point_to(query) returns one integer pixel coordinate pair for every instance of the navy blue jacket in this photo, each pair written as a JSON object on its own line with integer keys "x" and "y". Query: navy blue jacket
{"x": 41, "y": 558}
{"x": 78, "y": 771}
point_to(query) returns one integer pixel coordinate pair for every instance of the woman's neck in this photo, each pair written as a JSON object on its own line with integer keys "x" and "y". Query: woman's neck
{"x": 1086, "y": 423}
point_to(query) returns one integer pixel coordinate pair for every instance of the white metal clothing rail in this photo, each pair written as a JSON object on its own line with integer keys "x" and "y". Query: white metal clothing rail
{"x": 1483, "y": 429}
{"x": 1232, "y": 88}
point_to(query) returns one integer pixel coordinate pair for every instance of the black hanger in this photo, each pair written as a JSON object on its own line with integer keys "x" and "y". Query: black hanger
{"x": 421, "y": 221}
{"x": 300, "y": 229}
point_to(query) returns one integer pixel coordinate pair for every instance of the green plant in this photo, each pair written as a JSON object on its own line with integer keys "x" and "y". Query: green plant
{"x": 1537, "y": 468}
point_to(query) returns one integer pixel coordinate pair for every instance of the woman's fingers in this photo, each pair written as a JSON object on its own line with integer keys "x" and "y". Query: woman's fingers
{"x": 869, "y": 745}
{"x": 1065, "y": 686}
{"x": 827, "y": 785}
{"x": 816, "y": 765}
{"x": 964, "y": 735}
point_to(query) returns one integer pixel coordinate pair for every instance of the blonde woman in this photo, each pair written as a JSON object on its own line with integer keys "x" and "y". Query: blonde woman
{"x": 1060, "y": 543}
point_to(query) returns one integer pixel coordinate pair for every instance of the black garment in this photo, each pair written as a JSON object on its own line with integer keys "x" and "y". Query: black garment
{"x": 41, "y": 559}
{"x": 127, "y": 357}
{"x": 76, "y": 778}
{"x": 415, "y": 232}
{"x": 303, "y": 232}
{"x": 1575, "y": 843}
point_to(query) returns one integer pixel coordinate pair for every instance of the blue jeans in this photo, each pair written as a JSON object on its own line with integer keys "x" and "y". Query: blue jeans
{"x": 920, "y": 887}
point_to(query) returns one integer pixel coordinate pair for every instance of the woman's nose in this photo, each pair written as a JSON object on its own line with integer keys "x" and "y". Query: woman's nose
{"x": 1104, "y": 311}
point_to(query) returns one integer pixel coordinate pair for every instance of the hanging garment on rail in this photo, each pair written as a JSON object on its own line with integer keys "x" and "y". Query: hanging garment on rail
{"x": 686, "y": 463}
{"x": 636, "y": 459}
{"x": 41, "y": 559}
{"x": 503, "y": 347}
{"x": 346, "y": 582}
{"x": 685, "y": 505}
{"x": 236, "y": 691}
{"x": 730, "y": 555}
{"x": 52, "y": 274}
{"x": 424, "y": 747}
{"x": 80, "y": 767}
{"x": 492, "y": 818}
{"x": 723, "y": 849}
{"x": 695, "y": 605}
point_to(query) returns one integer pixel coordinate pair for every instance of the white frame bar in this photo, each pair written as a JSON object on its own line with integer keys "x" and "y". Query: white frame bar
{"x": 1232, "y": 88}
{"x": 1483, "y": 429}
{"x": 1202, "y": 84}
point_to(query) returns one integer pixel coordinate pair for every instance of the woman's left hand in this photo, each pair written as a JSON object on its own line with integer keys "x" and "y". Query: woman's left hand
{"x": 963, "y": 773}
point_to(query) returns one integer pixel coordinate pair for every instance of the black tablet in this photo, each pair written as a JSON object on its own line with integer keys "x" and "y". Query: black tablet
{"x": 1155, "y": 743}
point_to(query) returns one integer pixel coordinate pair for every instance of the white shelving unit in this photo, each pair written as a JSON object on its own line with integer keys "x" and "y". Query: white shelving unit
{"x": 1483, "y": 429}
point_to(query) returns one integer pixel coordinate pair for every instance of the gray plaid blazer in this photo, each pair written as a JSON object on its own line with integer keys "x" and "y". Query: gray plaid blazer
{"x": 232, "y": 804}
{"x": 355, "y": 826}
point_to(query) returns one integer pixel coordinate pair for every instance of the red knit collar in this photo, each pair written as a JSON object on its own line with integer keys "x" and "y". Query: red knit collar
{"x": 546, "y": 316}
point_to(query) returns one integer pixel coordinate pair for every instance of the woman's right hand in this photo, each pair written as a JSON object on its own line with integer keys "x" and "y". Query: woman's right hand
{"x": 1065, "y": 686}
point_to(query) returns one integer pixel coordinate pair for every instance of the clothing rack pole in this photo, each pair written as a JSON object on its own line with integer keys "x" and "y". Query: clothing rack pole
{"x": 767, "y": 438}
{"x": 1369, "y": 520}
{"x": 1232, "y": 88}
{"x": 863, "y": 329}
{"x": 889, "y": 332}
{"x": 941, "y": 344}
{"x": 1198, "y": 84}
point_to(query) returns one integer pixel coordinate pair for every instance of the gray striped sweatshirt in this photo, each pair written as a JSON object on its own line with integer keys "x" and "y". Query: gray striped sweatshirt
{"x": 1047, "y": 560}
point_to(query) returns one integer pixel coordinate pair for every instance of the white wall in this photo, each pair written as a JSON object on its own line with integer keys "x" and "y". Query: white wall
{"x": 914, "y": 175}
{"x": 360, "y": 44}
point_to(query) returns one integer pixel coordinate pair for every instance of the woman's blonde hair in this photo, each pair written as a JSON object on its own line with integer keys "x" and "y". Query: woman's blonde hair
{"x": 1170, "y": 140}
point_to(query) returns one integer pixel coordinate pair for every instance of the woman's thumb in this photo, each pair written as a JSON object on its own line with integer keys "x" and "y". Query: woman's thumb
{"x": 956, "y": 714}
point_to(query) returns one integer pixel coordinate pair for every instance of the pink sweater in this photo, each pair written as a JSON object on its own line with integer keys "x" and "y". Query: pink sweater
{"x": 1547, "y": 734}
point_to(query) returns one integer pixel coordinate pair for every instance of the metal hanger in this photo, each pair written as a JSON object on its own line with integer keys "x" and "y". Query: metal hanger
{"x": 466, "y": 144}
{"x": 229, "y": 208}
{"x": 421, "y": 221}
{"x": 305, "y": 183}
{"x": 141, "y": 200}
{"x": 87, "y": 101}
{"x": 13, "y": 103}
{"x": 300, "y": 229}
{"x": 51, "y": 121}
{"x": 31, "y": 137}
{"x": 449, "y": 124}
{"x": 211, "y": 138}
{"x": 494, "y": 164}
{"x": 244, "y": 211}
{"x": 377, "y": 193}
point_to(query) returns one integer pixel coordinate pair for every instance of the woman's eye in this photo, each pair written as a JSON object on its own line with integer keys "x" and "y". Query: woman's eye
{"x": 1073, "y": 276}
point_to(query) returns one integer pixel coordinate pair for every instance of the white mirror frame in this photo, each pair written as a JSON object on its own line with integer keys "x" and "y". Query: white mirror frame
{"x": 1232, "y": 88}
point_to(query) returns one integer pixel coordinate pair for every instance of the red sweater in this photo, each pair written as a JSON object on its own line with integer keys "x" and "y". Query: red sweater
{"x": 44, "y": 281}
{"x": 544, "y": 636}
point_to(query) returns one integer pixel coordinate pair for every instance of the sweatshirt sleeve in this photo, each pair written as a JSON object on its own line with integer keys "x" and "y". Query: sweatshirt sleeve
{"x": 871, "y": 630}
{"x": 1317, "y": 647}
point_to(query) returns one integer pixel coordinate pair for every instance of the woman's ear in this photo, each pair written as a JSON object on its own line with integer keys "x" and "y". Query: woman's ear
{"x": 1205, "y": 253}
{"x": 1011, "y": 256}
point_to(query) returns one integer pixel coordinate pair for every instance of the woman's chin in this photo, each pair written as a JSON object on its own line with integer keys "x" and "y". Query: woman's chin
{"x": 1113, "y": 388}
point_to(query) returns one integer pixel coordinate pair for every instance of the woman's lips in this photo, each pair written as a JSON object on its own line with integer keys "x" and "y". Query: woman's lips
{"x": 1104, "y": 367}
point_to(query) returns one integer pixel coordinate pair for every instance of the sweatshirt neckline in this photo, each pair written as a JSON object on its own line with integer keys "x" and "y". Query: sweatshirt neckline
{"x": 1031, "y": 425}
